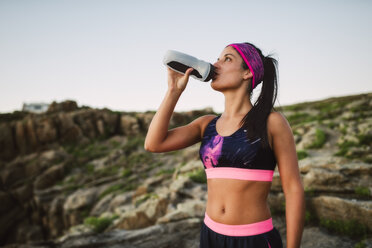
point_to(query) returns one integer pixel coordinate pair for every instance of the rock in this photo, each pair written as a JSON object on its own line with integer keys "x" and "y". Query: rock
{"x": 50, "y": 176}
{"x": 324, "y": 180}
{"x": 65, "y": 106}
{"x": 45, "y": 130}
{"x": 102, "y": 205}
{"x": 144, "y": 215}
{"x": 141, "y": 190}
{"x": 20, "y": 137}
{"x": 7, "y": 145}
{"x": 69, "y": 131}
{"x": 185, "y": 210}
{"x": 335, "y": 208}
{"x": 55, "y": 223}
{"x": 120, "y": 200}
{"x": 27, "y": 232}
{"x": 309, "y": 138}
{"x": 182, "y": 234}
{"x": 80, "y": 198}
{"x": 315, "y": 237}
{"x": 129, "y": 125}
{"x": 337, "y": 177}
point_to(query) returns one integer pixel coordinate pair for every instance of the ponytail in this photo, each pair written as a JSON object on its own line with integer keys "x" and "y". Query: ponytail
{"x": 255, "y": 121}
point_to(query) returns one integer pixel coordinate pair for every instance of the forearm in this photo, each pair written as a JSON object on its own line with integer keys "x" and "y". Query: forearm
{"x": 158, "y": 128}
{"x": 295, "y": 216}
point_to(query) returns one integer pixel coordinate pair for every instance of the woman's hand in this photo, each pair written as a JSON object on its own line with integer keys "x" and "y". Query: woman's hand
{"x": 177, "y": 81}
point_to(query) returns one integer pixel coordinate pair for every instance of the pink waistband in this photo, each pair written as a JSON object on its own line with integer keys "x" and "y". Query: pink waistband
{"x": 239, "y": 230}
{"x": 239, "y": 173}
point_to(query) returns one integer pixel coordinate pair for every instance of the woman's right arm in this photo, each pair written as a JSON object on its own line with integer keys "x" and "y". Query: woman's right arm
{"x": 158, "y": 138}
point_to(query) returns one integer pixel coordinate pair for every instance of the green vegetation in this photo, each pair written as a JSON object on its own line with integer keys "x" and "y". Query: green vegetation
{"x": 87, "y": 152}
{"x": 109, "y": 170}
{"x": 362, "y": 191}
{"x": 138, "y": 158}
{"x": 351, "y": 228}
{"x": 332, "y": 125}
{"x": 99, "y": 224}
{"x": 309, "y": 218}
{"x": 320, "y": 139}
{"x": 360, "y": 244}
{"x": 133, "y": 143}
{"x": 300, "y": 118}
{"x": 115, "y": 144}
{"x": 344, "y": 147}
{"x": 126, "y": 173}
{"x": 309, "y": 191}
{"x": 144, "y": 198}
{"x": 120, "y": 188}
{"x": 365, "y": 139}
{"x": 198, "y": 176}
{"x": 301, "y": 154}
{"x": 165, "y": 171}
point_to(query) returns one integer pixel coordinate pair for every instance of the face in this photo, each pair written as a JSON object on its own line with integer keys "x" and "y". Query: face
{"x": 230, "y": 73}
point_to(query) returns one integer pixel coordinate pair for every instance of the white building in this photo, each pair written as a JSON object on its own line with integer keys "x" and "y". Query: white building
{"x": 35, "y": 107}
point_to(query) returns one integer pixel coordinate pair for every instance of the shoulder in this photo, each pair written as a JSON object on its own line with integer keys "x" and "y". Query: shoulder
{"x": 203, "y": 121}
{"x": 277, "y": 123}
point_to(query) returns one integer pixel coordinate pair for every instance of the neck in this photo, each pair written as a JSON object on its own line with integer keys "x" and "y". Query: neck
{"x": 237, "y": 104}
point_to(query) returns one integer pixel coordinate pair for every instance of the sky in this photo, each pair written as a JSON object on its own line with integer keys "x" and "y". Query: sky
{"x": 108, "y": 53}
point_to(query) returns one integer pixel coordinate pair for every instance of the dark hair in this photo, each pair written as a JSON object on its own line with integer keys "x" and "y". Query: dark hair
{"x": 255, "y": 121}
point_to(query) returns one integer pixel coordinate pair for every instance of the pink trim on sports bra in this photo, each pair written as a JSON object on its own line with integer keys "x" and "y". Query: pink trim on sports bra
{"x": 240, "y": 174}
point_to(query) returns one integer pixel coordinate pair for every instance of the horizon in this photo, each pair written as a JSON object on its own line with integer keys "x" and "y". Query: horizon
{"x": 154, "y": 110}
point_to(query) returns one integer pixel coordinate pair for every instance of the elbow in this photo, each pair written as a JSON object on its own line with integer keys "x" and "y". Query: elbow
{"x": 148, "y": 148}
{"x": 294, "y": 189}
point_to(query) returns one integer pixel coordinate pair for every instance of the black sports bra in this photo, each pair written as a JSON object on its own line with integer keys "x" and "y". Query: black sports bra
{"x": 235, "y": 156}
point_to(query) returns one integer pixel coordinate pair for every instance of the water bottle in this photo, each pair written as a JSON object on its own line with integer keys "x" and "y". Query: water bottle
{"x": 180, "y": 62}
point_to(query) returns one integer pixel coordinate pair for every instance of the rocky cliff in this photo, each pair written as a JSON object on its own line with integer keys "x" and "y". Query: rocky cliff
{"x": 79, "y": 177}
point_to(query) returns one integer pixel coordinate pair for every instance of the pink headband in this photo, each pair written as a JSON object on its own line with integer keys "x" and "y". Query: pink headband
{"x": 253, "y": 61}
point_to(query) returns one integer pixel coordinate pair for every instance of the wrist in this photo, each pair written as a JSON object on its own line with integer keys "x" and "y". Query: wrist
{"x": 174, "y": 92}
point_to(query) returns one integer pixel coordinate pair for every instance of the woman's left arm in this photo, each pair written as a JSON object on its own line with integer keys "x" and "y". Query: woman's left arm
{"x": 285, "y": 152}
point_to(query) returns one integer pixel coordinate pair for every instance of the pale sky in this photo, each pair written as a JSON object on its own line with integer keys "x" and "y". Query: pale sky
{"x": 109, "y": 53}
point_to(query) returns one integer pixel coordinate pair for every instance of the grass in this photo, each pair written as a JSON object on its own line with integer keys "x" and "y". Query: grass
{"x": 309, "y": 218}
{"x": 344, "y": 147}
{"x": 351, "y": 228}
{"x": 360, "y": 244}
{"x": 300, "y": 117}
{"x": 126, "y": 173}
{"x": 301, "y": 154}
{"x": 87, "y": 152}
{"x": 320, "y": 139}
{"x": 120, "y": 188}
{"x": 138, "y": 158}
{"x": 198, "y": 176}
{"x": 365, "y": 139}
{"x": 309, "y": 191}
{"x": 165, "y": 171}
{"x": 99, "y": 224}
{"x": 144, "y": 198}
{"x": 133, "y": 143}
{"x": 362, "y": 191}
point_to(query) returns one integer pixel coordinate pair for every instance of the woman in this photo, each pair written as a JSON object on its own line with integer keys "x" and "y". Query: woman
{"x": 239, "y": 149}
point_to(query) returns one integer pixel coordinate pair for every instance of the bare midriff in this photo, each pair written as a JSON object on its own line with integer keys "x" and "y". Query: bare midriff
{"x": 237, "y": 202}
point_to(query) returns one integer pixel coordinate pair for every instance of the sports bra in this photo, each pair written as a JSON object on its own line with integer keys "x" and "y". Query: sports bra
{"x": 235, "y": 156}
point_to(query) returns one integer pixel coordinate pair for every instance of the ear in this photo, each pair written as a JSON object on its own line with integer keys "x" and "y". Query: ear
{"x": 247, "y": 74}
